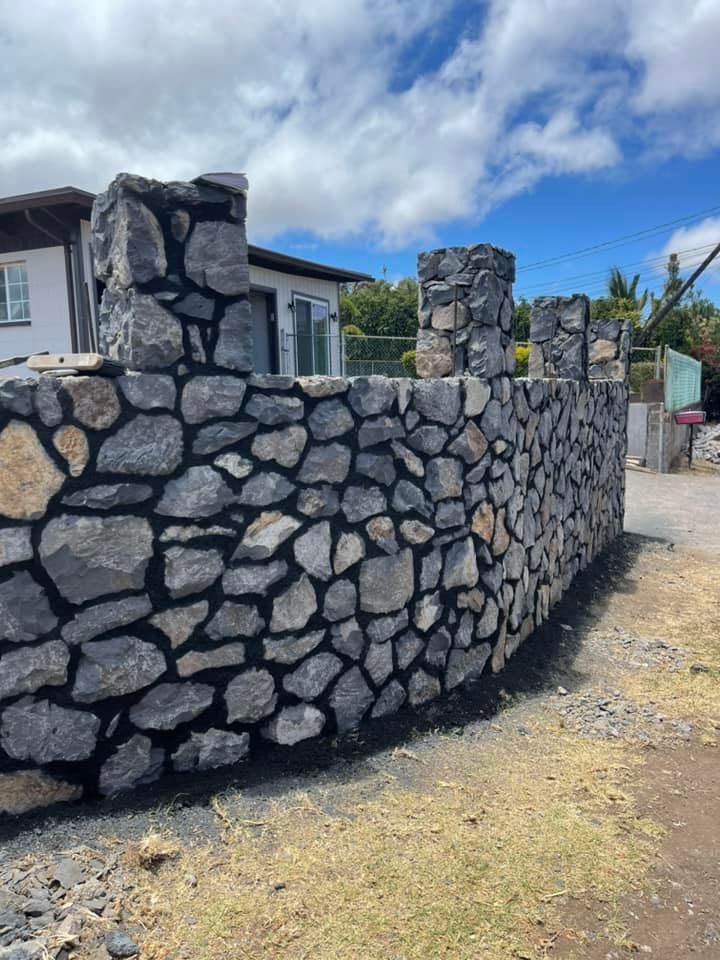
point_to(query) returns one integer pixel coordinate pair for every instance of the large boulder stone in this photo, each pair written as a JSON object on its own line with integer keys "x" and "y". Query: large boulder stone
{"x": 43, "y": 732}
{"x": 103, "y": 617}
{"x": 91, "y": 556}
{"x": 371, "y": 395}
{"x": 250, "y": 696}
{"x": 438, "y": 400}
{"x": 28, "y": 476}
{"x": 234, "y": 347}
{"x": 386, "y": 583}
{"x": 189, "y": 571}
{"x": 113, "y": 668}
{"x": 25, "y": 612}
{"x": 29, "y": 669}
{"x": 206, "y": 751}
{"x": 151, "y": 445}
{"x": 206, "y": 397}
{"x": 350, "y": 700}
{"x": 137, "y": 331}
{"x": 133, "y": 763}
{"x": 309, "y": 680}
{"x": 128, "y": 243}
{"x": 27, "y": 790}
{"x": 199, "y": 492}
{"x": 170, "y": 704}
{"x": 294, "y": 724}
{"x": 216, "y": 257}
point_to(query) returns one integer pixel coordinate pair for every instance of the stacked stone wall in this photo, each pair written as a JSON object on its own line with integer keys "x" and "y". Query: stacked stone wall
{"x": 196, "y": 560}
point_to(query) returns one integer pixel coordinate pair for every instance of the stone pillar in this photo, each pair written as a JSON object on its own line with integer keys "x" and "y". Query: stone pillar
{"x": 465, "y": 312}
{"x": 558, "y": 337}
{"x": 174, "y": 260}
{"x": 609, "y": 346}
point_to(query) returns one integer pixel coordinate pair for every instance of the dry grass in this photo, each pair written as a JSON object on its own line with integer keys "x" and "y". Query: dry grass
{"x": 150, "y": 851}
{"x": 474, "y": 862}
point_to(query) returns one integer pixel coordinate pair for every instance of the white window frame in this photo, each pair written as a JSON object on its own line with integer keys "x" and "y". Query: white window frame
{"x": 5, "y": 285}
{"x": 321, "y": 301}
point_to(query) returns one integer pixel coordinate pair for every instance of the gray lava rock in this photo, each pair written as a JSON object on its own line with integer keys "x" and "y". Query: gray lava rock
{"x": 386, "y": 583}
{"x": 293, "y": 608}
{"x": 206, "y": 397}
{"x": 149, "y": 391}
{"x": 422, "y": 688}
{"x": 327, "y": 464}
{"x": 465, "y": 665}
{"x": 378, "y": 430}
{"x": 235, "y": 620}
{"x": 190, "y": 571}
{"x": 109, "y": 495}
{"x": 134, "y": 762}
{"x": 15, "y": 545}
{"x": 390, "y": 700}
{"x": 137, "y": 331}
{"x": 283, "y": 446}
{"x": 319, "y": 502}
{"x": 312, "y": 551}
{"x": 429, "y": 439}
{"x": 294, "y": 724}
{"x": 348, "y": 638}
{"x": 112, "y": 668}
{"x": 25, "y": 612}
{"x": 234, "y": 347}
{"x": 29, "y": 669}
{"x": 371, "y": 395}
{"x": 178, "y": 623}
{"x": 382, "y": 628}
{"x": 215, "y": 436}
{"x": 291, "y": 649}
{"x": 330, "y": 418}
{"x": 272, "y": 409}
{"x": 151, "y": 445}
{"x": 379, "y": 468}
{"x": 379, "y": 662}
{"x": 255, "y": 578}
{"x": 119, "y": 944}
{"x": 195, "y": 305}
{"x": 199, "y": 492}
{"x": 313, "y": 676}
{"x": 438, "y": 400}
{"x": 216, "y": 257}
{"x": 408, "y": 497}
{"x": 359, "y": 503}
{"x": 91, "y": 556}
{"x": 207, "y": 751}
{"x": 250, "y": 696}
{"x": 461, "y": 569}
{"x": 170, "y": 704}
{"x": 444, "y": 478}
{"x": 265, "y": 488}
{"x": 103, "y": 617}
{"x": 350, "y": 700}
{"x": 43, "y": 732}
{"x": 340, "y": 600}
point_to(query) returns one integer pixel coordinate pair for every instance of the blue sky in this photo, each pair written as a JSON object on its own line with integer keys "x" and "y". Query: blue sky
{"x": 371, "y": 129}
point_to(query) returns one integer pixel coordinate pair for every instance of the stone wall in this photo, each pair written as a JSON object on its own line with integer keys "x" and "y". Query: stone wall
{"x": 197, "y": 561}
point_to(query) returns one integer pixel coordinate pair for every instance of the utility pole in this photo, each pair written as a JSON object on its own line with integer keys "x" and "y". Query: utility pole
{"x": 667, "y": 307}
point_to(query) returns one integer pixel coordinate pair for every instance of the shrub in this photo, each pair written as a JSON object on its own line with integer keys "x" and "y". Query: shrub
{"x": 522, "y": 355}
{"x": 640, "y": 373}
{"x": 408, "y": 361}
{"x": 352, "y": 330}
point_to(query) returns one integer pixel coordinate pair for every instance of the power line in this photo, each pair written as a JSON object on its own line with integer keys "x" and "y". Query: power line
{"x": 618, "y": 241}
{"x": 550, "y": 285}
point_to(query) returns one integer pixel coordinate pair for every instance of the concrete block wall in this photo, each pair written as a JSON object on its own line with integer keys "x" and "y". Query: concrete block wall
{"x": 195, "y": 560}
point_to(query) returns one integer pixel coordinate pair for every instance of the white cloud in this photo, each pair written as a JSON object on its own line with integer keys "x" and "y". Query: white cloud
{"x": 693, "y": 244}
{"x": 312, "y": 100}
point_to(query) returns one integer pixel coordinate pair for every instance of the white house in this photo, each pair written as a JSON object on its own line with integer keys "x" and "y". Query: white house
{"x": 49, "y": 297}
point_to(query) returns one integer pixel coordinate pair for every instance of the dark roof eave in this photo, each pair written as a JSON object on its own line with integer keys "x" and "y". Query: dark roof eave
{"x": 272, "y": 260}
{"x": 60, "y": 196}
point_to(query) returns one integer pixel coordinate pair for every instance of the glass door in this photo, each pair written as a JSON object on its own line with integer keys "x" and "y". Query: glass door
{"x": 312, "y": 340}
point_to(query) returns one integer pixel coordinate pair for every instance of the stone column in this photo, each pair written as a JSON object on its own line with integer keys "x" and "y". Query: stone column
{"x": 465, "y": 312}
{"x": 558, "y": 337}
{"x": 609, "y": 346}
{"x": 174, "y": 260}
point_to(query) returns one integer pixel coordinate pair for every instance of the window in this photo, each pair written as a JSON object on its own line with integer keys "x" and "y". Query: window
{"x": 312, "y": 336}
{"x": 14, "y": 293}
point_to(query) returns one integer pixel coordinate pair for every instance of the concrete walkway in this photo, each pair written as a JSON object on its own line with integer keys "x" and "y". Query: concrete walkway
{"x": 681, "y": 508}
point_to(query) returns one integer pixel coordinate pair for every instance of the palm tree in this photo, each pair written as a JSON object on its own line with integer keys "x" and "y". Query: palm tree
{"x": 620, "y": 289}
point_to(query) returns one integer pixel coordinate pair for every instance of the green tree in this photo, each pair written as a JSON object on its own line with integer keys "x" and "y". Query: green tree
{"x": 620, "y": 289}
{"x": 521, "y": 320}
{"x": 381, "y": 309}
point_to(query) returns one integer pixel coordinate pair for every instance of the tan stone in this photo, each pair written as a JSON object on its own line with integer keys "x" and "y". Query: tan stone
{"x": 433, "y": 357}
{"x": 602, "y": 351}
{"x": 95, "y": 401}
{"x": 28, "y": 477}
{"x": 498, "y": 655}
{"x": 443, "y": 318}
{"x": 483, "y": 523}
{"x": 31, "y": 789}
{"x": 71, "y": 443}
{"x": 501, "y": 540}
{"x": 380, "y": 528}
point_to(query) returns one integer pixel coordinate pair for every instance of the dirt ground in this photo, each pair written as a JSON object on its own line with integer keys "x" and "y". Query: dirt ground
{"x": 567, "y": 808}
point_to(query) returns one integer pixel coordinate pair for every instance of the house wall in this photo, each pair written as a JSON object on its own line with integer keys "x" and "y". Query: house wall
{"x": 49, "y": 328}
{"x": 285, "y": 285}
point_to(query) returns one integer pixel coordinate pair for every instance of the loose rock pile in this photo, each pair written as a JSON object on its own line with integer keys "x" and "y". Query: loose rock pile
{"x": 706, "y": 445}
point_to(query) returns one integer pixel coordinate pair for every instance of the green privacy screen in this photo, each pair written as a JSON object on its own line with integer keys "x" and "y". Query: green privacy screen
{"x": 682, "y": 380}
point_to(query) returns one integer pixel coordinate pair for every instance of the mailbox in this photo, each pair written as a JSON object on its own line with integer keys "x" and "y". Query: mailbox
{"x": 690, "y": 417}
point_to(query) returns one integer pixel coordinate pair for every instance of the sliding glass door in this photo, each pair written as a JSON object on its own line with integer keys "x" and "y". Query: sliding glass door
{"x": 312, "y": 340}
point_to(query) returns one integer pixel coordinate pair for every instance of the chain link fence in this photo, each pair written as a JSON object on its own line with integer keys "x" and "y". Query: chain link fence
{"x": 646, "y": 364}
{"x": 347, "y": 355}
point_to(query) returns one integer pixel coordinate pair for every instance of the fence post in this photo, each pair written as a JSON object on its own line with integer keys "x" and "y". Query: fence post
{"x": 559, "y": 337}
{"x": 465, "y": 312}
